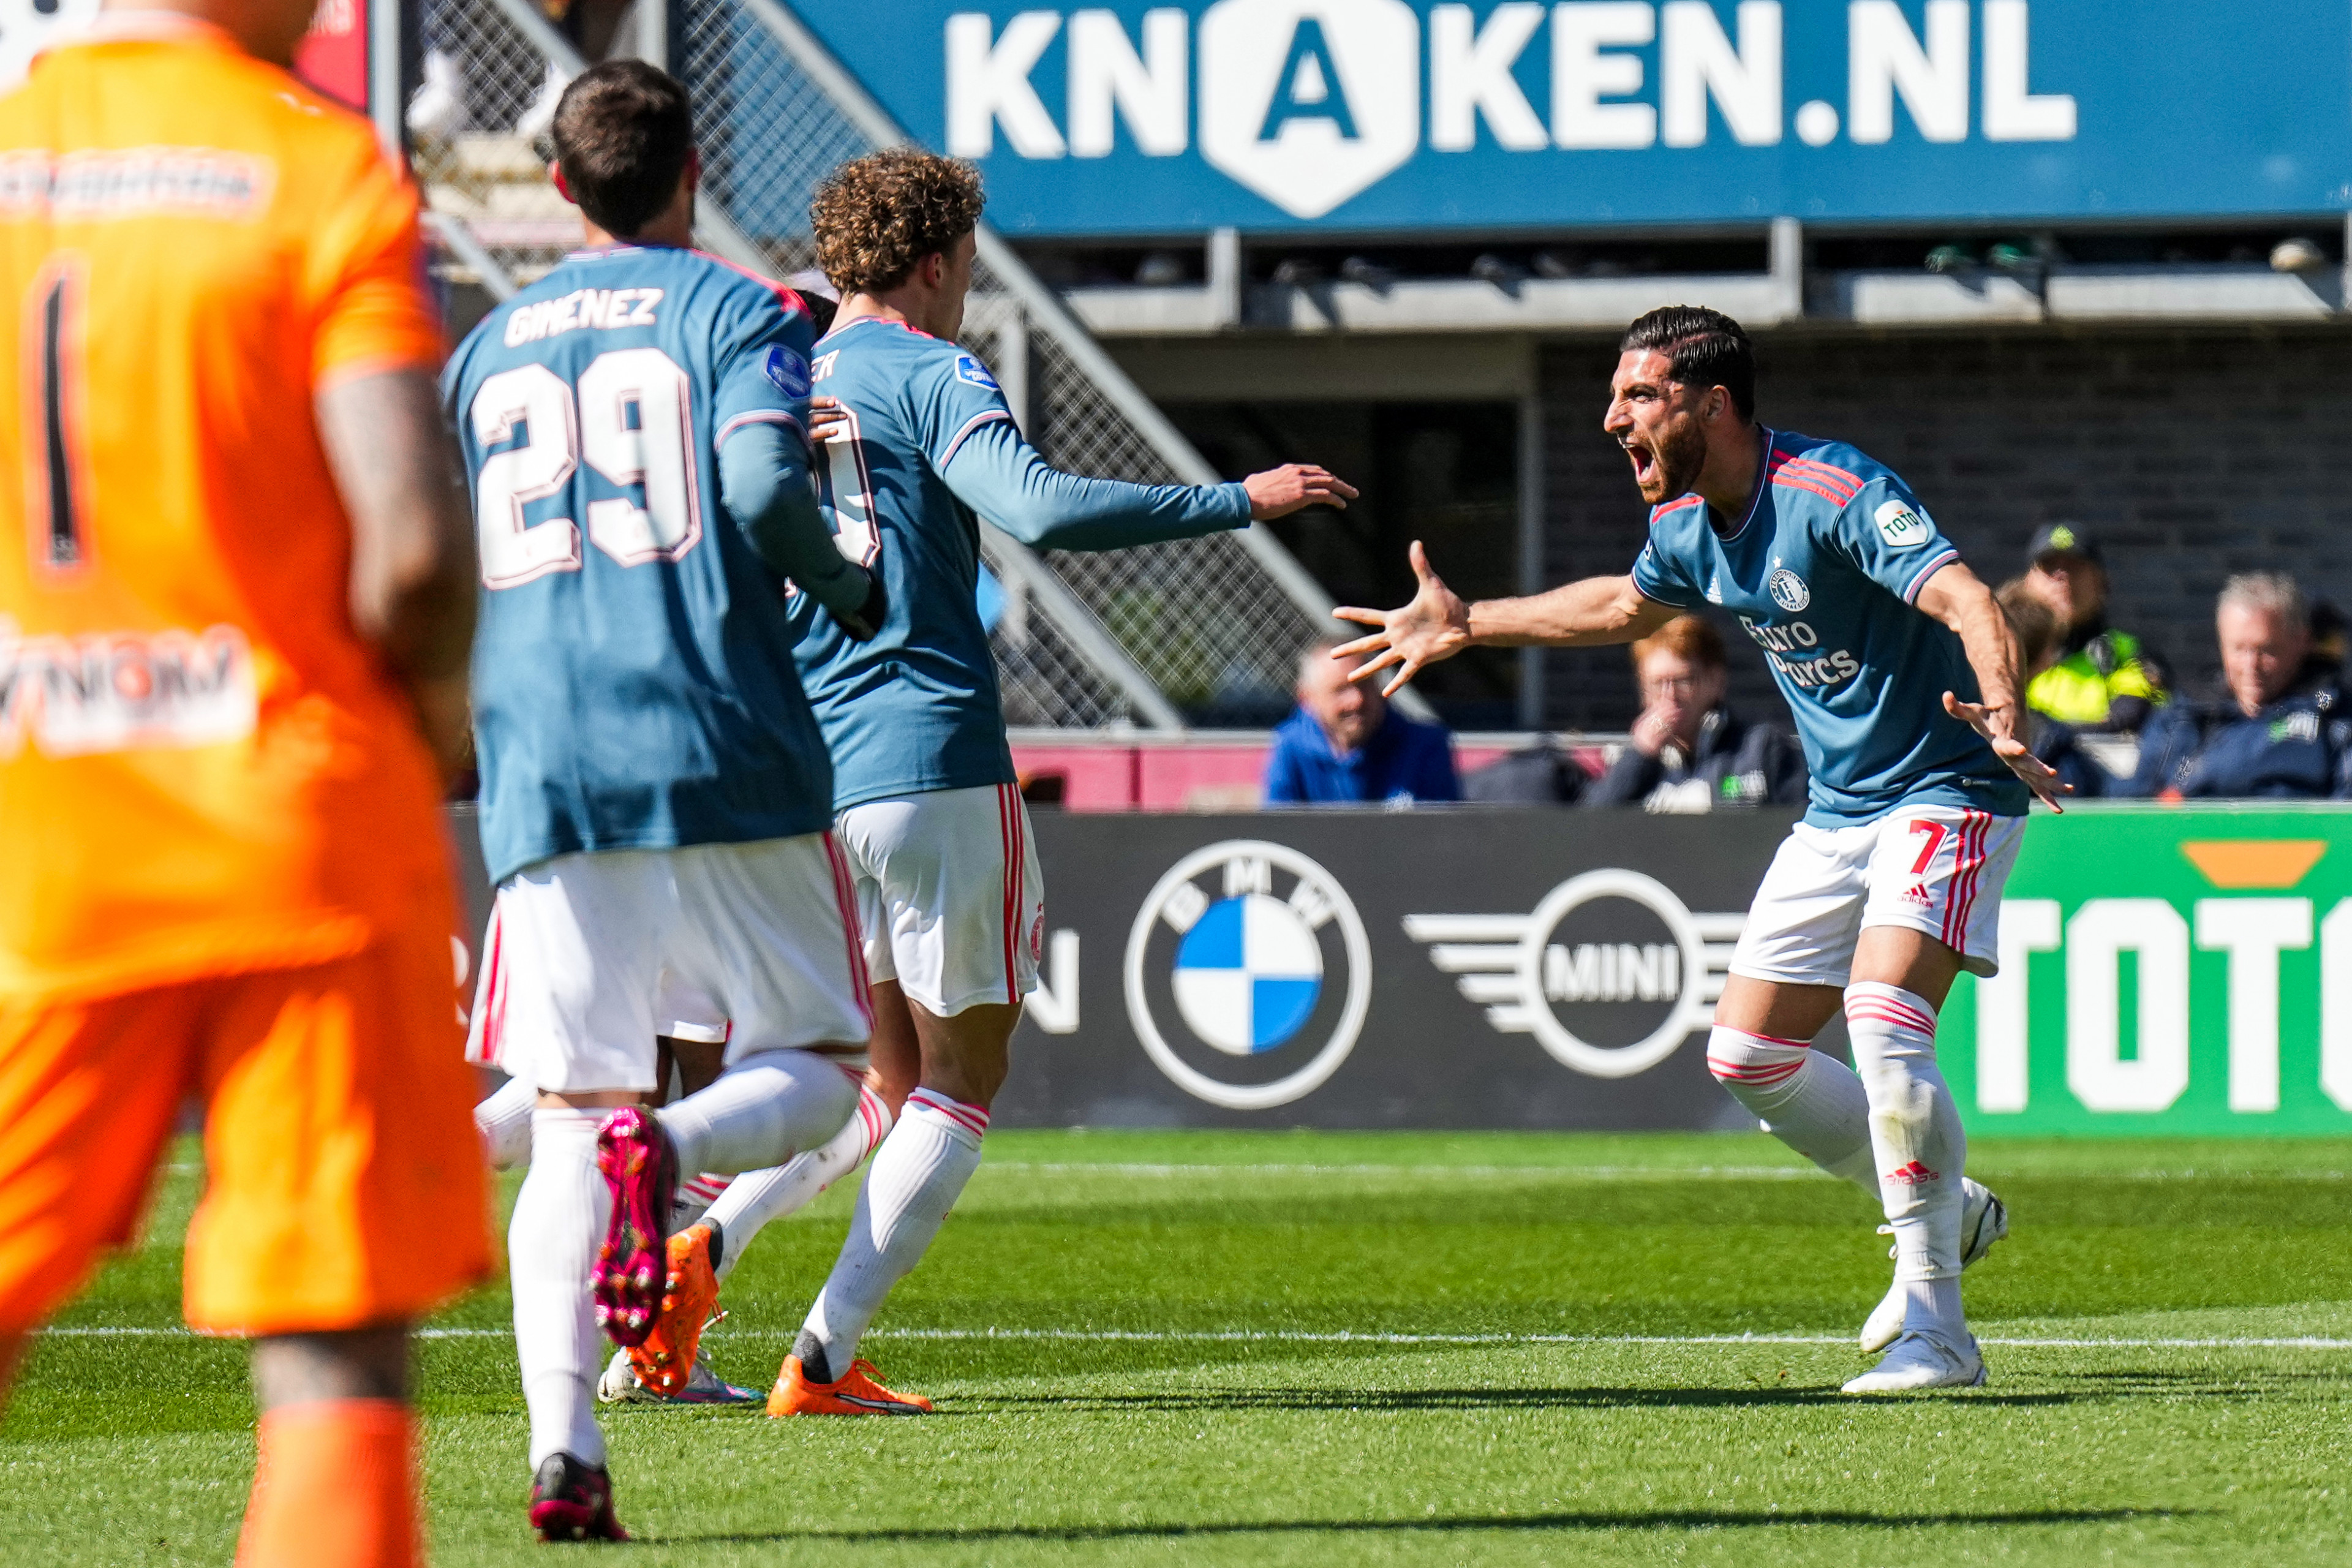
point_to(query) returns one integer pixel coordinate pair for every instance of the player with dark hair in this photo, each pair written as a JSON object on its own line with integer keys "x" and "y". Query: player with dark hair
{"x": 1903, "y": 675}
{"x": 923, "y": 446}
{"x": 656, "y": 791}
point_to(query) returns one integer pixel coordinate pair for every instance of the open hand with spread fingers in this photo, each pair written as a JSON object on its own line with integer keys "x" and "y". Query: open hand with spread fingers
{"x": 1435, "y": 625}
{"x": 1279, "y": 492}
{"x": 1998, "y": 725}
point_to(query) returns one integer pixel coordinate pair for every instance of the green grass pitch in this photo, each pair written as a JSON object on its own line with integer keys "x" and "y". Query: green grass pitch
{"x": 1318, "y": 1348}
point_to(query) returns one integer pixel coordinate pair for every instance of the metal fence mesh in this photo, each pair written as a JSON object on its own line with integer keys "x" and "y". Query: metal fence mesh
{"x": 1201, "y": 619}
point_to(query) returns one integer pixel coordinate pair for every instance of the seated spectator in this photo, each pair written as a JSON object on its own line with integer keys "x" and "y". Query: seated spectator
{"x": 1687, "y": 751}
{"x": 2030, "y": 616}
{"x": 2285, "y": 731}
{"x": 2102, "y": 678}
{"x": 1344, "y": 747}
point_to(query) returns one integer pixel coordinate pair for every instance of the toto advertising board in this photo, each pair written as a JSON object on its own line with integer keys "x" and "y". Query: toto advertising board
{"x": 2163, "y": 970}
{"x": 1135, "y": 118}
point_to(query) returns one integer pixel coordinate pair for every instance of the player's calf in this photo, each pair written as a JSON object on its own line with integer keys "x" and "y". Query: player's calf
{"x": 1810, "y": 1101}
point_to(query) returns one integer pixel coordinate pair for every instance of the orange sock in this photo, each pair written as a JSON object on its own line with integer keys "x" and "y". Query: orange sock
{"x": 335, "y": 1488}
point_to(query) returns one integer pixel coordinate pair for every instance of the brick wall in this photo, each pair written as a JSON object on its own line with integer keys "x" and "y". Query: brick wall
{"x": 2195, "y": 455}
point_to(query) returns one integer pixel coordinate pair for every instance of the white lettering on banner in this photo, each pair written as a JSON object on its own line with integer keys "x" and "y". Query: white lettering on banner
{"x": 1582, "y": 75}
{"x": 988, "y": 85}
{"x": 1470, "y": 74}
{"x": 2012, "y": 110}
{"x": 2335, "y": 1004}
{"x": 2004, "y": 1004}
{"x": 1694, "y": 60}
{"x": 1053, "y": 1005}
{"x": 2252, "y": 931}
{"x": 2157, "y": 1074}
{"x": 1248, "y": 874}
{"x": 1106, "y": 75}
{"x": 1309, "y": 102}
{"x": 1613, "y": 972}
{"x": 1883, "y": 57}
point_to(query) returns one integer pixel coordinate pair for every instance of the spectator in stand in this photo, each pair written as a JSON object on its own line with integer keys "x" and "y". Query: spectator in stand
{"x": 2030, "y": 617}
{"x": 2285, "y": 731}
{"x": 1687, "y": 751}
{"x": 1343, "y": 747}
{"x": 2102, "y": 678}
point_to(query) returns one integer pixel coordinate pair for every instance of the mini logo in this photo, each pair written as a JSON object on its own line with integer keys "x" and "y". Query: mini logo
{"x": 787, "y": 372}
{"x": 971, "y": 370}
{"x": 1789, "y": 590}
{"x": 1901, "y": 527}
{"x": 1248, "y": 975}
{"x": 1913, "y": 1174}
{"x": 1513, "y": 965}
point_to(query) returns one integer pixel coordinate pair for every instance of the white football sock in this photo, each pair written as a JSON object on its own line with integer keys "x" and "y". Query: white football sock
{"x": 694, "y": 1197}
{"x": 760, "y": 1112}
{"x": 1811, "y": 1102}
{"x": 559, "y": 1219}
{"x": 919, "y": 1173}
{"x": 757, "y": 1197}
{"x": 1916, "y": 1135}
{"x": 504, "y": 1122}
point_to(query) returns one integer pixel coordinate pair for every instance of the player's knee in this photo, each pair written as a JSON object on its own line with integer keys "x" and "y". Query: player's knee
{"x": 1739, "y": 1060}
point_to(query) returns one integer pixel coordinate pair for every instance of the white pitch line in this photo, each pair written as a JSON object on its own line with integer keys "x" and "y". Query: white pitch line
{"x": 1345, "y": 1337}
{"x": 1584, "y": 1172}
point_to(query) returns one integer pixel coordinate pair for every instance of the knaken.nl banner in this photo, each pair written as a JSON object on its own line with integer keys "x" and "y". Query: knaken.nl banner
{"x": 1134, "y": 118}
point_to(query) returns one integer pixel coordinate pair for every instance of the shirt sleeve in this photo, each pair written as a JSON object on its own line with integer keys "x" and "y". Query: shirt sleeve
{"x": 999, "y": 475}
{"x": 1282, "y": 782}
{"x": 760, "y": 366}
{"x": 1658, "y": 573}
{"x": 374, "y": 307}
{"x": 1890, "y": 539}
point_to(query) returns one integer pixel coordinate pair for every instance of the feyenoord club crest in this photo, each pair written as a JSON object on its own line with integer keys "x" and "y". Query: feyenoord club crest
{"x": 1248, "y": 975}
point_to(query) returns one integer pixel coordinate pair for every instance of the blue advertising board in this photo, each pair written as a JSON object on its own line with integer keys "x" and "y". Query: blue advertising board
{"x": 1134, "y": 118}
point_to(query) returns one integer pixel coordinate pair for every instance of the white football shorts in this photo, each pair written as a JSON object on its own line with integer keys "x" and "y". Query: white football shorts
{"x": 1934, "y": 868}
{"x": 589, "y": 956}
{"x": 949, "y": 895}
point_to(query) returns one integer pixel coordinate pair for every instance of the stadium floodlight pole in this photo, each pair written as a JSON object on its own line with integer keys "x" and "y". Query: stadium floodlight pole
{"x": 1085, "y": 633}
{"x": 467, "y": 247}
{"x": 384, "y": 107}
{"x": 1047, "y": 311}
{"x": 712, "y": 227}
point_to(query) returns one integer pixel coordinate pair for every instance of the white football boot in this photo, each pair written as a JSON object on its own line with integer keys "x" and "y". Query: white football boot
{"x": 1922, "y": 1361}
{"x": 619, "y": 1385}
{"x": 1984, "y": 1219}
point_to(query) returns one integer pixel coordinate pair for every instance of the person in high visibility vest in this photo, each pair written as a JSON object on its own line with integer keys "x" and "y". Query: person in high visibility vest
{"x": 2104, "y": 678}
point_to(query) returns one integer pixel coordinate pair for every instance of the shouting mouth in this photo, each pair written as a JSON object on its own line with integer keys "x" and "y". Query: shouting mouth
{"x": 1645, "y": 461}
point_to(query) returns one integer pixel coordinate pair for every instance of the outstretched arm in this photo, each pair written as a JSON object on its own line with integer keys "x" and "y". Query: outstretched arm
{"x": 999, "y": 476}
{"x": 1960, "y": 599}
{"x": 412, "y": 541}
{"x": 1437, "y": 625}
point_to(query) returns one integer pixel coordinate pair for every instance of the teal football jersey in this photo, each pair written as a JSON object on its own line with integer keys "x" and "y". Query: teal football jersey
{"x": 634, "y": 683}
{"x": 1822, "y": 574}
{"x": 930, "y": 446}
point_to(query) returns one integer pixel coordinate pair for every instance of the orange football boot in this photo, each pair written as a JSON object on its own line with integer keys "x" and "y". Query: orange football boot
{"x": 665, "y": 1360}
{"x": 859, "y": 1393}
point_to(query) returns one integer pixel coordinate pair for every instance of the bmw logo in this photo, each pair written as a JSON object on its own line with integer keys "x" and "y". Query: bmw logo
{"x": 1248, "y": 975}
{"x": 1788, "y": 590}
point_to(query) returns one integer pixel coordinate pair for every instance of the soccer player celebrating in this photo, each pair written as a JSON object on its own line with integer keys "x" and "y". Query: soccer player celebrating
{"x": 234, "y": 607}
{"x": 951, "y": 897}
{"x": 655, "y": 793}
{"x": 1903, "y": 675}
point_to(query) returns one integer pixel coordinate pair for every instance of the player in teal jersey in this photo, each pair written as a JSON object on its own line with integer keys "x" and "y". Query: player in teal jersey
{"x": 657, "y": 797}
{"x": 920, "y": 447}
{"x": 1903, "y": 675}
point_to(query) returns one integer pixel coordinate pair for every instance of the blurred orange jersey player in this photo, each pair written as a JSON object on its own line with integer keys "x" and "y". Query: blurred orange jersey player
{"x": 235, "y": 601}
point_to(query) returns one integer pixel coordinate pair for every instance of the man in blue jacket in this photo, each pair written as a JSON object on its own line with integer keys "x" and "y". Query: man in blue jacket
{"x": 2285, "y": 731}
{"x": 1343, "y": 747}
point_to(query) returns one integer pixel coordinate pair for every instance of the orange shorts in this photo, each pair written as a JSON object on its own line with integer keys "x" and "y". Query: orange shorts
{"x": 344, "y": 1180}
